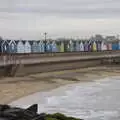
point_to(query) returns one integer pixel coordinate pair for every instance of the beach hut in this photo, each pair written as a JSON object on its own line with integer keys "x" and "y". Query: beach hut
{"x": 86, "y": 46}
{"x": 98, "y": 45}
{"x": 71, "y": 45}
{"x": 38, "y": 47}
{"x": 27, "y": 47}
{"x": 109, "y": 46}
{"x": 20, "y": 47}
{"x": 77, "y": 45}
{"x": 42, "y": 48}
{"x": 89, "y": 45}
{"x": 34, "y": 47}
{"x": 81, "y": 46}
{"x": 94, "y": 46}
{"x": 48, "y": 46}
{"x": 1, "y": 46}
{"x": 54, "y": 46}
{"x": 103, "y": 46}
{"x": 115, "y": 46}
{"x": 5, "y": 46}
{"x": 119, "y": 45}
{"x": 62, "y": 46}
{"x": 58, "y": 44}
{"x": 67, "y": 47}
{"x": 12, "y": 46}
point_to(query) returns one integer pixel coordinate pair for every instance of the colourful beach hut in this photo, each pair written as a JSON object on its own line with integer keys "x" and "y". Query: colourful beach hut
{"x": 38, "y": 46}
{"x": 54, "y": 46}
{"x": 115, "y": 46}
{"x": 12, "y": 46}
{"x": 57, "y": 45}
{"x": 62, "y": 46}
{"x": 98, "y": 45}
{"x": 81, "y": 46}
{"x": 20, "y": 47}
{"x": 109, "y": 46}
{"x": 119, "y": 45}
{"x": 48, "y": 46}
{"x": 103, "y": 46}
{"x": 71, "y": 45}
{"x": 27, "y": 47}
{"x": 94, "y": 46}
{"x": 34, "y": 47}
{"x": 1, "y": 46}
{"x": 77, "y": 45}
{"x": 42, "y": 46}
{"x": 86, "y": 46}
{"x": 5, "y": 46}
{"x": 89, "y": 45}
{"x": 68, "y": 45}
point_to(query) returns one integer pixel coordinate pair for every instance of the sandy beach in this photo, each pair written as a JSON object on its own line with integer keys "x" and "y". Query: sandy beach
{"x": 14, "y": 88}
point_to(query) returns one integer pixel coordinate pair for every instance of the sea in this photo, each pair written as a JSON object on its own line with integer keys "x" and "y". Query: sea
{"x": 98, "y": 100}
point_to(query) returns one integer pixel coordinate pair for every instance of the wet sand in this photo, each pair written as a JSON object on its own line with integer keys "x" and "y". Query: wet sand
{"x": 14, "y": 88}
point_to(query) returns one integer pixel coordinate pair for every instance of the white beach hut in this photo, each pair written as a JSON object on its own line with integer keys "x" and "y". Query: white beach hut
{"x": 81, "y": 46}
{"x": 103, "y": 46}
{"x": 12, "y": 46}
{"x": 5, "y": 46}
{"x": 20, "y": 47}
{"x": 54, "y": 46}
{"x": 27, "y": 47}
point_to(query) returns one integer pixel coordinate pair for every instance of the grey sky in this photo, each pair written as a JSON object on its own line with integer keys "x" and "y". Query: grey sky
{"x": 28, "y": 19}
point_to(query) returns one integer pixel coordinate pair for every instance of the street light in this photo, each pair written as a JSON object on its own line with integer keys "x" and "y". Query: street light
{"x": 45, "y": 41}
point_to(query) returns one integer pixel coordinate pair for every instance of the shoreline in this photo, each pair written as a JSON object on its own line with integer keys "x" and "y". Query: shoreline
{"x": 12, "y": 89}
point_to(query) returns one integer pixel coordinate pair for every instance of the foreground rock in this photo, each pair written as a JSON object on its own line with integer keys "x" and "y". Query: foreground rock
{"x": 14, "y": 113}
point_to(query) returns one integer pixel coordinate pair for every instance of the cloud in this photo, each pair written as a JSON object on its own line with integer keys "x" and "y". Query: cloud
{"x": 29, "y": 18}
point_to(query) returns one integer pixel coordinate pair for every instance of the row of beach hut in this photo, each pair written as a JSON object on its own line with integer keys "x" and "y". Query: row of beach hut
{"x": 20, "y": 46}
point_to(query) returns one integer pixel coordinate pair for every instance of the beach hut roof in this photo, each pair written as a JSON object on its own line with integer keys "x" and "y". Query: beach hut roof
{"x": 30, "y": 42}
{"x": 4, "y": 41}
{"x": 12, "y": 41}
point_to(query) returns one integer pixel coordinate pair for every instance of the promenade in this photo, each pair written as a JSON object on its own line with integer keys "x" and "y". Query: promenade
{"x": 32, "y": 59}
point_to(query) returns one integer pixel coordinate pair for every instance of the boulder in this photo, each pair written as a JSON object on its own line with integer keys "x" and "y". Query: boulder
{"x": 15, "y": 113}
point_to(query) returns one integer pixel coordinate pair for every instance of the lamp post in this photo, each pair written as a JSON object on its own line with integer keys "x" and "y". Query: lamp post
{"x": 45, "y": 41}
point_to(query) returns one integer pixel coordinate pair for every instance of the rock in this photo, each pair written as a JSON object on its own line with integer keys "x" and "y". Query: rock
{"x": 14, "y": 113}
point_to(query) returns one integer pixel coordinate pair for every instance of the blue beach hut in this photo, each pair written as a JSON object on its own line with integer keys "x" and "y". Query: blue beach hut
{"x": 115, "y": 46}
{"x": 42, "y": 46}
{"x": 12, "y": 46}
{"x": 34, "y": 47}
{"x": 20, "y": 47}
{"x": 38, "y": 47}
{"x": 48, "y": 46}
{"x": 5, "y": 46}
{"x": 27, "y": 47}
{"x": 54, "y": 46}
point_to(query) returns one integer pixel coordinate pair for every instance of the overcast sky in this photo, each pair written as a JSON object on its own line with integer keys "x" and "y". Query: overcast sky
{"x": 29, "y": 19}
